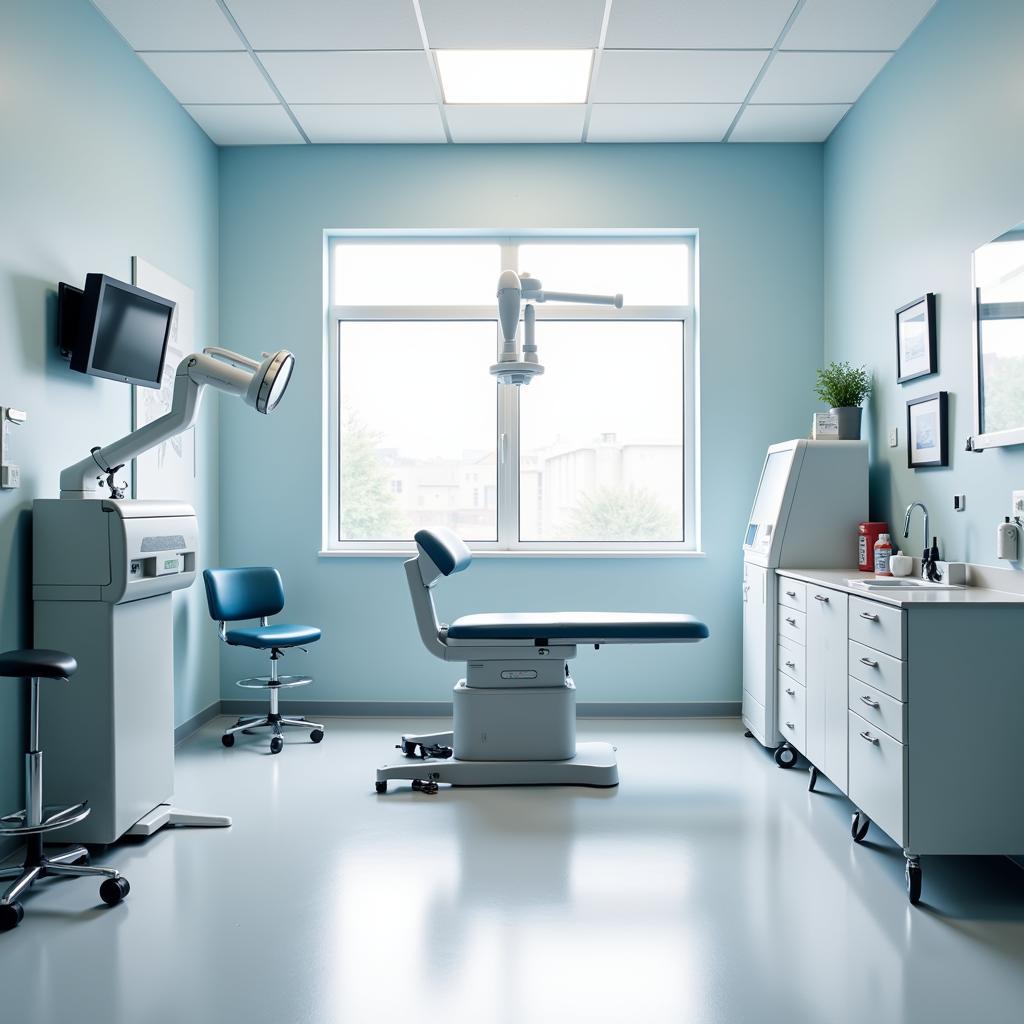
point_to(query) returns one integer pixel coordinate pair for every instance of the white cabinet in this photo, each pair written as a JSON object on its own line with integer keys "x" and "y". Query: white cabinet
{"x": 826, "y": 680}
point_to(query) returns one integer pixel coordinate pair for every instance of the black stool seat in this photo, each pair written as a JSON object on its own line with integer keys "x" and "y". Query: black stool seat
{"x": 38, "y": 664}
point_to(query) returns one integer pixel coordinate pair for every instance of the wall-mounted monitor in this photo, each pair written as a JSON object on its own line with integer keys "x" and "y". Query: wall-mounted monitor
{"x": 113, "y": 329}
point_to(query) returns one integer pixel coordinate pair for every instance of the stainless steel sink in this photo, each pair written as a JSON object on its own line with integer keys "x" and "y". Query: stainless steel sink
{"x": 902, "y": 583}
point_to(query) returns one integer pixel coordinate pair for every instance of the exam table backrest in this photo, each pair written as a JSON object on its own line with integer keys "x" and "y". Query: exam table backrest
{"x": 445, "y": 549}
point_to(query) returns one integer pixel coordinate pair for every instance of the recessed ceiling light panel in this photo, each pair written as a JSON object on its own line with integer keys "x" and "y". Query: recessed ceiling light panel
{"x": 514, "y": 76}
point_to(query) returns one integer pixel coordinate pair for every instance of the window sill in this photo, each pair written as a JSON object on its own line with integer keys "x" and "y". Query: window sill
{"x": 409, "y": 553}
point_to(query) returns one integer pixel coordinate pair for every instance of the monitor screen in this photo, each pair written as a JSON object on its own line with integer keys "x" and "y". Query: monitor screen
{"x": 122, "y": 332}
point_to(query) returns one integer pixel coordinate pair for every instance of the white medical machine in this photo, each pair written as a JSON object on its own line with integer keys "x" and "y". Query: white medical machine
{"x": 104, "y": 569}
{"x": 520, "y": 367}
{"x": 809, "y": 501}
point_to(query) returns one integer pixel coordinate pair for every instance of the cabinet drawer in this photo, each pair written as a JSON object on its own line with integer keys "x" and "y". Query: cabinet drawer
{"x": 792, "y": 716}
{"x": 877, "y": 625}
{"x": 878, "y": 770}
{"x": 879, "y": 709}
{"x": 886, "y": 673}
{"x": 792, "y": 594}
{"x": 792, "y": 624}
{"x": 792, "y": 660}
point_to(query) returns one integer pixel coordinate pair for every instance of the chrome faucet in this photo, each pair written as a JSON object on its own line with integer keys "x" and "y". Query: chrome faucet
{"x": 928, "y": 569}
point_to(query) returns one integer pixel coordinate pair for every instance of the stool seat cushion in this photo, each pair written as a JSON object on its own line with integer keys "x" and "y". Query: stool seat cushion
{"x": 265, "y": 637}
{"x": 40, "y": 664}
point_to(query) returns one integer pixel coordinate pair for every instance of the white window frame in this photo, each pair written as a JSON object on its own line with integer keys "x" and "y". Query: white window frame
{"x": 507, "y": 441}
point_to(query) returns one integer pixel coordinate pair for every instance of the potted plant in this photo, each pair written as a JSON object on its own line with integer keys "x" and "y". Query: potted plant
{"x": 843, "y": 388}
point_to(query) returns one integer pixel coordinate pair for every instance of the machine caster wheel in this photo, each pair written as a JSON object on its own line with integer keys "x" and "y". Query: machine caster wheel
{"x": 276, "y": 745}
{"x": 747, "y": 734}
{"x": 84, "y": 860}
{"x": 913, "y": 882}
{"x": 10, "y": 916}
{"x": 812, "y": 781}
{"x": 381, "y": 787}
{"x": 316, "y": 735}
{"x": 113, "y": 890}
{"x": 228, "y": 741}
{"x": 785, "y": 757}
{"x": 424, "y": 787}
{"x": 859, "y": 827}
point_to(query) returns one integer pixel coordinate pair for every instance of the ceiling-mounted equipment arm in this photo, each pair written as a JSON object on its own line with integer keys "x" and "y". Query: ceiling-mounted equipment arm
{"x": 515, "y": 367}
{"x": 259, "y": 384}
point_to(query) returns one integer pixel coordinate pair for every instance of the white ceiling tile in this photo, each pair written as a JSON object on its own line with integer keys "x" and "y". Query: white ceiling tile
{"x": 660, "y": 122}
{"x": 695, "y": 24}
{"x": 782, "y": 123}
{"x": 361, "y": 76}
{"x": 676, "y": 76}
{"x": 508, "y": 123}
{"x": 528, "y": 24}
{"x": 818, "y": 77}
{"x": 864, "y": 25}
{"x": 327, "y": 24}
{"x": 253, "y": 125}
{"x": 182, "y": 25}
{"x": 211, "y": 77}
{"x": 370, "y": 122}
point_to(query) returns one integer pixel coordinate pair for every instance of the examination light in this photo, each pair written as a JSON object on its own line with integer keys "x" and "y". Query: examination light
{"x": 260, "y": 384}
{"x": 515, "y": 367}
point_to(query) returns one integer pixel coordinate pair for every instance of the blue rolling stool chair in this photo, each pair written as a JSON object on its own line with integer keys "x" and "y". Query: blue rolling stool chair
{"x": 36, "y": 820}
{"x": 258, "y": 593}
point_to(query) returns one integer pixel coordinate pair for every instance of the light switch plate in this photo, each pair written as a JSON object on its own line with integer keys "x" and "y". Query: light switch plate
{"x": 894, "y": 437}
{"x": 10, "y": 477}
{"x": 959, "y": 502}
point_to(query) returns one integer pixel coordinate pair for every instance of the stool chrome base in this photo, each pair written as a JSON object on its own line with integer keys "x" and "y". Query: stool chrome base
{"x": 276, "y": 723}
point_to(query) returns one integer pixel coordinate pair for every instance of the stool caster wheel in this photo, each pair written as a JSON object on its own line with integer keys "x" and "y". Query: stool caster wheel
{"x": 113, "y": 890}
{"x": 316, "y": 735}
{"x": 276, "y": 745}
{"x": 913, "y": 882}
{"x": 424, "y": 787}
{"x": 785, "y": 757}
{"x": 228, "y": 741}
{"x": 859, "y": 826}
{"x": 10, "y": 916}
{"x": 381, "y": 787}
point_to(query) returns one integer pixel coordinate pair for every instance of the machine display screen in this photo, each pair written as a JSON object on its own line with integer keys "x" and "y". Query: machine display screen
{"x": 751, "y": 534}
{"x": 768, "y": 502}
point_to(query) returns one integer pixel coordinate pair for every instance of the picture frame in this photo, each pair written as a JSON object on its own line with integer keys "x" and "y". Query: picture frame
{"x": 916, "y": 340}
{"x": 928, "y": 431}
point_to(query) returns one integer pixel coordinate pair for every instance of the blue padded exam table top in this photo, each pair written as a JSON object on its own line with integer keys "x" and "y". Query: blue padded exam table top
{"x": 581, "y": 627}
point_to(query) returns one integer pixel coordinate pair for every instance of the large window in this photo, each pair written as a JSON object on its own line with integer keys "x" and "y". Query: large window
{"x": 595, "y": 455}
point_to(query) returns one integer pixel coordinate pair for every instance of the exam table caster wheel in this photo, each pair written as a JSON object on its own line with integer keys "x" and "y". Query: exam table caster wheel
{"x": 113, "y": 890}
{"x": 276, "y": 745}
{"x": 409, "y": 749}
{"x": 859, "y": 827}
{"x": 437, "y": 750}
{"x": 424, "y": 787}
{"x": 913, "y": 874}
{"x": 785, "y": 757}
{"x": 10, "y": 916}
{"x": 381, "y": 787}
{"x": 228, "y": 741}
{"x": 316, "y": 735}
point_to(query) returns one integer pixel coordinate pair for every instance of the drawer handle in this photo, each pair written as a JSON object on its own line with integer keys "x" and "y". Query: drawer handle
{"x": 792, "y": 693}
{"x": 870, "y": 703}
{"x": 870, "y": 616}
{"x": 869, "y": 662}
{"x": 821, "y": 597}
{"x": 790, "y": 593}
{"x": 790, "y": 725}
{"x": 792, "y": 622}
{"x": 790, "y": 664}
{"x": 865, "y": 735}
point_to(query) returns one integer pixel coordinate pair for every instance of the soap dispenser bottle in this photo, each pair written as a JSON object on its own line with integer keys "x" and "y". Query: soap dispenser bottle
{"x": 1006, "y": 540}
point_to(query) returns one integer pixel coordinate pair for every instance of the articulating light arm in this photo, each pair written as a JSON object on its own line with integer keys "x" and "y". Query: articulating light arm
{"x": 515, "y": 367}
{"x": 259, "y": 384}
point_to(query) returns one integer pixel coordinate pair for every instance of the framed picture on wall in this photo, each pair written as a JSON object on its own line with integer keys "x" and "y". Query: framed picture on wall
{"x": 928, "y": 430}
{"x": 916, "y": 348}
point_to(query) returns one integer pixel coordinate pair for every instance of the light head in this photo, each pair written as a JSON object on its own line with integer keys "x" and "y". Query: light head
{"x": 270, "y": 381}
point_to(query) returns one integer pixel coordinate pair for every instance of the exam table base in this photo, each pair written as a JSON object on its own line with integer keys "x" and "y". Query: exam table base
{"x": 595, "y": 764}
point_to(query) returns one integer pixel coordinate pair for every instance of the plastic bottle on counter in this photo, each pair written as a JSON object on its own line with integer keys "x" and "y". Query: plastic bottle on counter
{"x": 883, "y": 555}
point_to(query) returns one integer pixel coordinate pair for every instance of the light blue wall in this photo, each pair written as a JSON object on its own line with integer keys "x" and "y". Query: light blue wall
{"x": 758, "y": 210}
{"x": 97, "y": 163}
{"x": 925, "y": 168}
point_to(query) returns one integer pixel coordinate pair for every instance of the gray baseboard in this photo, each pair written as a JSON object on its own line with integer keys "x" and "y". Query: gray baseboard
{"x": 189, "y": 726}
{"x": 443, "y": 708}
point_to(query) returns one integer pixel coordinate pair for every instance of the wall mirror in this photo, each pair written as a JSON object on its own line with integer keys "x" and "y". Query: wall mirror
{"x": 998, "y": 280}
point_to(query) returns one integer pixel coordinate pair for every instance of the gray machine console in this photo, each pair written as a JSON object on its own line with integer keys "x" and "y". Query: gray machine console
{"x": 111, "y": 551}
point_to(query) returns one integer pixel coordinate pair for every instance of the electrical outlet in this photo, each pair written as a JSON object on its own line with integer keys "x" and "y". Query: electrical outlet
{"x": 959, "y": 502}
{"x": 894, "y": 437}
{"x": 1018, "y": 504}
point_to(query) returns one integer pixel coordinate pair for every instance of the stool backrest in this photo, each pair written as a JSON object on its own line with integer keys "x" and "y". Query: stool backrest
{"x": 248, "y": 593}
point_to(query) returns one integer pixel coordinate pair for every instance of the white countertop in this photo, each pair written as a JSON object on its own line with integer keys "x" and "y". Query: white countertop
{"x": 838, "y": 579}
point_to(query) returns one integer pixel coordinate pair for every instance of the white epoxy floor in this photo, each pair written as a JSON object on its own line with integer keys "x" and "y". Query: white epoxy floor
{"x": 710, "y": 887}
